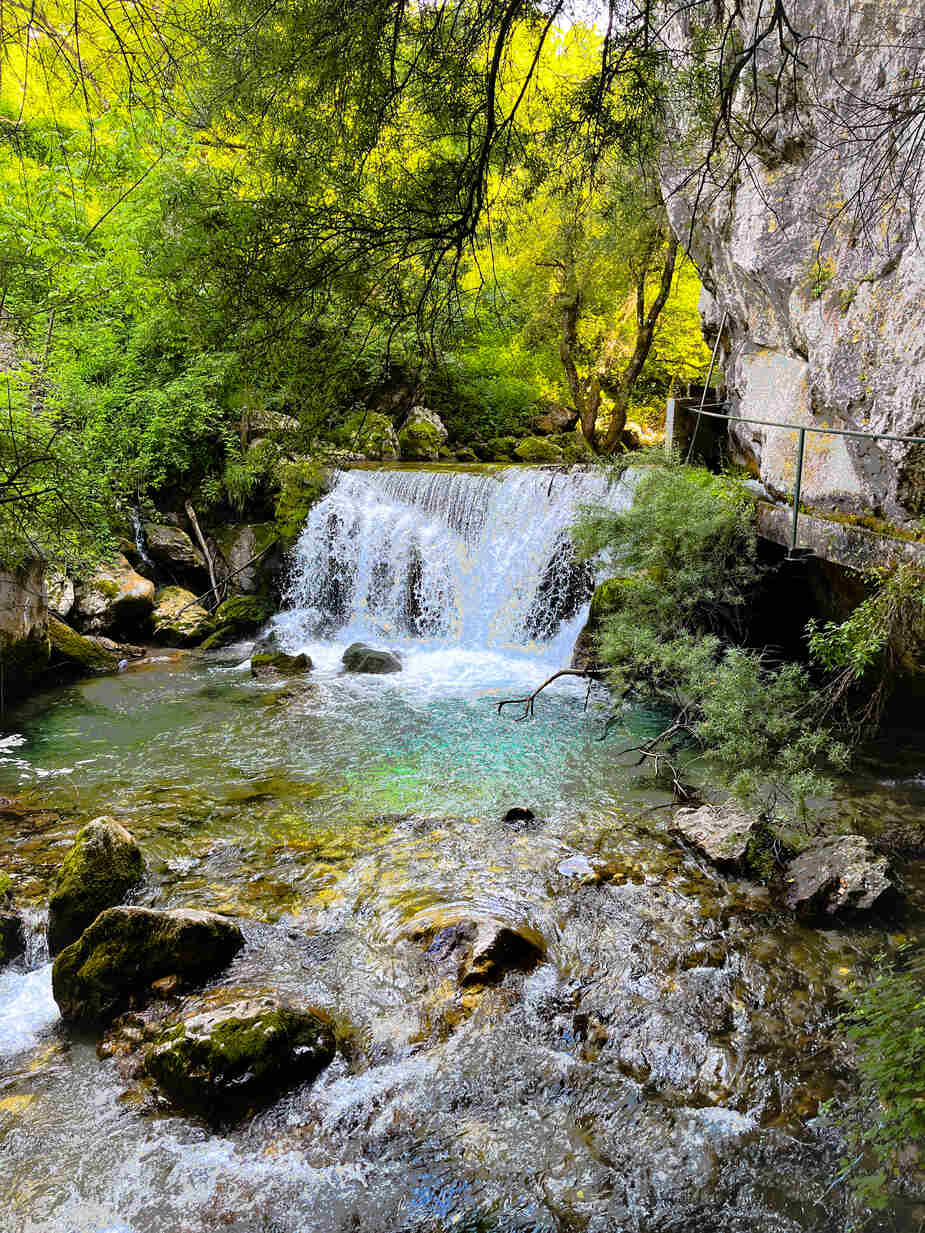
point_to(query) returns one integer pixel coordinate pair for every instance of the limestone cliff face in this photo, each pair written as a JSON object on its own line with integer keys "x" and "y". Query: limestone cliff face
{"x": 825, "y": 317}
{"x": 24, "y": 645}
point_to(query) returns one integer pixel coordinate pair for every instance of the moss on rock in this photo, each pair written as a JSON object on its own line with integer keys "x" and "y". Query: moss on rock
{"x": 178, "y": 619}
{"x": 116, "y": 960}
{"x": 539, "y": 450}
{"x": 244, "y": 613}
{"x": 101, "y": 868}
{"x": 80, "y": 652}
{"x": 272, "y": 664}
{"x": 222, "y": 1062}
{"x": 370, "y": 433}
{"x": 422, "y": 435}
{"x": 302, "y": 483}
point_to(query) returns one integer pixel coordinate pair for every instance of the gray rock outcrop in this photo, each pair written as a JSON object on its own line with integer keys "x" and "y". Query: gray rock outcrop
{"x": 178, "y": 619}
{"x": 724, "y": 834}
{"x": 824, "y": 296}
{"x": 359, "y": 657}
{"x": 839, "y": 875}
{"x": 113, "y": 598}
{"x": 24, "y": 645}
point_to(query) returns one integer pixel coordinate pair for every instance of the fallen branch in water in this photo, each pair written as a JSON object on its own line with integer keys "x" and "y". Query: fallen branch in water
{"x": 588, "y": 674}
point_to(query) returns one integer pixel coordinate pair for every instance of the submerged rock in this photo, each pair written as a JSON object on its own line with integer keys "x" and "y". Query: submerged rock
{"x": 481, "y": 949}
{"x": 115, "y": 597}
{"x": 222, "y": 1062}
{"x": 839, "y": 874}
{"x": 178, "y": 619}
{"x": 725, "y": 834}
{"x": 362, "y": 658}
{"x": 101, "y": 868}
{"x": 126, "y": 950}
{"x": 519, "y": 817}
{"x": 271, "y": 665}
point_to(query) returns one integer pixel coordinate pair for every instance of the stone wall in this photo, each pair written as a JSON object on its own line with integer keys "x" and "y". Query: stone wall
{"x": 825, "y": 310}
{"x": 24, "y": 645}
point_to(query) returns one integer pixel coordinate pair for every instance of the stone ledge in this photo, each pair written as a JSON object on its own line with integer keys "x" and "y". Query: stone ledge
{"x": 844, "y": 544}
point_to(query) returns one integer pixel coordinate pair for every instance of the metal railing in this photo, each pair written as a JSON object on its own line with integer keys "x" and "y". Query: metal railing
{"x": 802, "y": 429}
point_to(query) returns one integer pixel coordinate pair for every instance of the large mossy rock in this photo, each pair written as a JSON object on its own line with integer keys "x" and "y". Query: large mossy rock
{"x": 84, "y": 655}
{"x": 271, "y": 665}
{"x": 302, "y": 483}
{"x": 125, "y": 950}
{"x": 174, "y": 552}
{"x": 839, "y": 875}
{"x": 539, "y": 450}
{"x": 359, "y": 657}
{"x": 422, "y": 435}
{"x": 12, "y": 931}
{"x": 178, "y": 619}
{"x": 101, "y": 868}
{"x": 371, "y": 434}
{"x": 607, "y": 598}
{"x": 244, "y": 613}
{"x": 222, "y": 1062}
{"x": 114, "y": 598}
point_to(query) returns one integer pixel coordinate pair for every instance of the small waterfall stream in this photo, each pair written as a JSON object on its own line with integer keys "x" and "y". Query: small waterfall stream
{"x": 478, "y": 562}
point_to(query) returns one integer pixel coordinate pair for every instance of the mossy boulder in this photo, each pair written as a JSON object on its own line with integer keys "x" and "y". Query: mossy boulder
{"x": 270, "y": 665}
{"x": 607, "y": 598}
{"x": 117, "y": 959}
{"x": 464, "y": 454}
{"x": 574, "y": 447}
{"x": 101, "y": 868}
{"x": 223, "y": 1062}
{"x": 225, "y": 635}
{"x": 359, "y": 657}
{"x": 422, "y": 435}
{"x": 178, "y": 619}
{"x": 12, "y": 931}
{"x": 83, "y": 654}
{"x": 302, "y": 483}
{"x": 371, "y": 434}
{"x": 538, "y": 450}
{"x": 245, "y": 613}
{"x": 115, "y": 597}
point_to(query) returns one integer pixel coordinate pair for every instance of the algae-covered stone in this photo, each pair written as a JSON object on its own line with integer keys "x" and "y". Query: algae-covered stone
{"x": 82, "y": 653}
{"x": 178, "y": 619}
{"x": 223, "y": 636}
{"x": 274, "y": 664}
{"x": 222, "y": 1062}
{"x": 127, "y": 949}
{"x": 607, "y": 598}
{"x": 12, "y": 931}
{"x": 101, "y": 868}
{"x": 359, "y": 657}
{"x": 422, "y": 435}
{"x": 245, "y": 613}
{"x": 371, "y": 434}
{"x": 539, "y": 450}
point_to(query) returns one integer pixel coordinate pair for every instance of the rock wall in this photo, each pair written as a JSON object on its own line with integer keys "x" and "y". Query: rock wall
{"x": 824, "y": 303}
{"x": 24, "y": 644}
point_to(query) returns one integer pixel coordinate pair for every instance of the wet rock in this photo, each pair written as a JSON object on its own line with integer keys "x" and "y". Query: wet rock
{"x": 224, "y": 1061}
{"x": 101, "y": 868}
{"x": 275, "y": 664}
{"x": 839, "y": 874}
{"x": 113, "y": 598}
{"x": 422, "y": 435}
{"x": 725, "y": 834}
{"x": 224, "y": 636}
{"x": 519, "y": 817}
{"x": 173, "y": 550}
{"x": 362, "y": 658}
{"x": 372, "y": 434}
{"x": 248, "y": 560}
{"x": 178, "y": 619}
{"x": 480, "y": 949}
{"x": 12, "y": 931}
{"x": 59, "y": 591}
{"x": 126, "y": 950}
{"x": 78, "y": 652}
{"x": 24, "y": 647}
{"x": 244, "y": 613}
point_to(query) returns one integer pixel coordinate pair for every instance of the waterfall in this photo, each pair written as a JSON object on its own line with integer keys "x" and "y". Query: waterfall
{"x": 482, "y": 562}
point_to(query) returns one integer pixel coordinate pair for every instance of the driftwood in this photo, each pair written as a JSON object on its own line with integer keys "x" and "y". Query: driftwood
{"x": 191, "y": 515}
{"x": 589, "y": 674}
{"x": 233, "y": 574}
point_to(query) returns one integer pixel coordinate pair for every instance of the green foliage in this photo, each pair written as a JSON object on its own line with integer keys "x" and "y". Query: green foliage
{"x": 672, "y": 626}
{"x": 887, "y": 1027}
{"x": 895, "y": 611}
{"x": 301, "y": 485}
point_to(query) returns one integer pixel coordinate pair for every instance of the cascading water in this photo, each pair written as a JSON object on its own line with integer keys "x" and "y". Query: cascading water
{"x": 447, "y": 560}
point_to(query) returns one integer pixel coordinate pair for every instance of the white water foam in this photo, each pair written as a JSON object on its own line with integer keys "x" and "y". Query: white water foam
{"x": 27, "y": 1008}
{"x": 473, "y": 576}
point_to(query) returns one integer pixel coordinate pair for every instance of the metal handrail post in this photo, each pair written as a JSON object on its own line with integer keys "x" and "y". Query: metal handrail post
{"x": 796, "y": 491}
